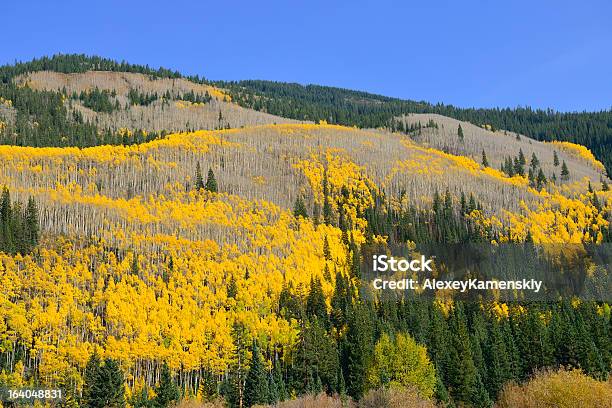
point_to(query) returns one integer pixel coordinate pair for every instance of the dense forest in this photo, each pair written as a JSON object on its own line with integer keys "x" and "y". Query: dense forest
{"x": 226, "y": 267}
{"x": 462, "y": 355}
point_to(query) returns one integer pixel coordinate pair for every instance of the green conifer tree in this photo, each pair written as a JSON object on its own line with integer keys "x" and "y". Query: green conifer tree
{"x": 166, "y": 392}
{"x": 299, "y": 208}
{"x": 109, "y": 389}
{"x": 358, "y": 350}
{"x": 32, "y": 227}
{"x": 485, "y": 161}
{"x": 565, "y": 174}
{"x": 540, "y": 179}
{"x": 315, "y": 302}
{"x": 256, "y": 382}
{"x": 91, "y": 381}
{"x": 211, "y": 182}
{"x": 199, "y": 179}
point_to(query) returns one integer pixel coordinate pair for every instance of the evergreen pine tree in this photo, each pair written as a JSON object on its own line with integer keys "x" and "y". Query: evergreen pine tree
{"x": 485, "y": 162}
{"x": 135, "y": 268}
{"x": 232, "y": 288}
{"x": 256, "y": 383}
{"x": 211, "y": 182}
{"x": 564, "y": 172}
{"x": 326, "y": 249}
{"x": 518, "y": 167}
{"x": 279, "y": 381}
{"x": 466, "y": 384}
{"x": 32, "y": 228}
{"x": 555, "y": 159}
{"x": 315, "y": 302}
{"x": 299, "y": 208}
{"x": 91, "y": 381}
{"x": 273, "y": 396}
{"x": 109, "y": 389}
{"x": 534, "y": 163}
{"x": 496, "y": 357}
{"x": 460, "y": 133}
{"x": 6, "y": 220}
{"x": 18, "y": 228}
{"x": 199, "y": 183}
{"x": 540, "y": 179}
{"x": 141, "y": 399}
{"x": 521, "y": 157}
{"x": 166, "y": 392}
{"x": 340, "y": 302}
{"x": 232, "y": 387}
{"x": 358, "y": 350}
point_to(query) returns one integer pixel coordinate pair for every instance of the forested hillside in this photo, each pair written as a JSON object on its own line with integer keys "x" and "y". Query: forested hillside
{"x": 88, "y": 101}
{"x": 233, "y": 257}
{"x": 346, "y": 107}
{"x": 224, "y": 266}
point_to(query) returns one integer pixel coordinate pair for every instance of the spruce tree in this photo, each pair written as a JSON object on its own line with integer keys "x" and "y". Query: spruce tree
{"x": 326, "y": 249}
{"x": 341, "y": 383}
{"x": 521, "y": 157}
{"x": 564, "y": 172}
{"x": 534, "y": 163}
{"x": 496, "y": 357}
{"x": 358, "y": 350}
{"x": 534, "y": 341}
{"x": 315, "y": 302}
{"x": 485, "y": 162}
{"x": 32, "y": 228}
{"x": 279, "y": 381}
{"x": 340, "y": 301}
{"x": 463, "y": 376}
{"x": 21, "y": 239}
{"x": 109, "y": 389}
{"x": 273, "y": 396}
{"x": 540, "y": 179}
{"x": 211, "y": 182}
{"x": 232, "y": 288}
{"x": 299, "y": 208}
{"x": 141, "y": 399}
{"x": 135, "y": 268}
{"x": 199, "y": 180}
{"x": 6, "y": 219}
{"x": 518, "y": 167}
{"x": 91, "y": 381}
{"x": 256, "y": 383}
{"x": 555, "y": 159}
{"x": 460, "y": 133}
{"x": 167, "y": 391}
{"x": 316, "y": 357}
{"x": 232, "y": 386}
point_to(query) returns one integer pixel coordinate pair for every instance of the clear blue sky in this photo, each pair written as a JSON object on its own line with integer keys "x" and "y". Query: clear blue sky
{"x": 469, "y": 53}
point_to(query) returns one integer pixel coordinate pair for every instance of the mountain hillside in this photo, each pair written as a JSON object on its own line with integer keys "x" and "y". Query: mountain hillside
{"x": 348, "y": 107}
{"x": 176, "y": 104}
{"x": 162, "y": 241}
{"x": 498, "y": 145}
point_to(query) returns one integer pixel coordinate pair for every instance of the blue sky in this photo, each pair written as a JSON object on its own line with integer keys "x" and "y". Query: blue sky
{"x": 554, "y": 54}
